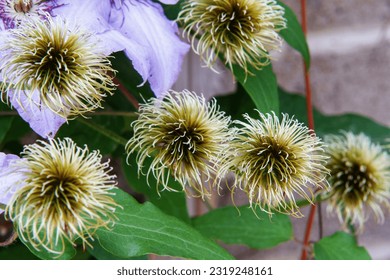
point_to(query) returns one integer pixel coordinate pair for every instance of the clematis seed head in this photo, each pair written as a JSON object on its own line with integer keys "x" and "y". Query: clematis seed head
{"x": 243, "y": 31}
{"x": 64, "y": 195}
{"x": 186, "y": 135}
{"x": 60, "y": 61}
{"x": 274, "y": 160}
{"x": 359, "y": 178}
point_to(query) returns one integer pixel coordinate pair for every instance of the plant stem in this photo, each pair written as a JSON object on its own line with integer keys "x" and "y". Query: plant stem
{"x": 8, "y": 113}
{"x": 114, "y": 113}
{"x": 102, "y": 130}
{"x": 310, "y": 119}
{"x": 127, "y": 93}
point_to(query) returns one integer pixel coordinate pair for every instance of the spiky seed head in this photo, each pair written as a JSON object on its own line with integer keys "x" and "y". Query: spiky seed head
{"x": 14, "y": 12}
{"x": 65, "y": 195}
{"x": 186, "y": 135}
{"x": 60, "y": 61}
{"x": 274, "y": 160}
{"x": 359, "y": 178}
{"x": 243, "y": 31}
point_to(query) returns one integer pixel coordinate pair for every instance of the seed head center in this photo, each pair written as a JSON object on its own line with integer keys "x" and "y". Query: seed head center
{"x": 274, "y": 159}
{"x": 356, "y": 177}
{"x": 186, "y": 137}
{"x": 22, "y": 6}
{"x": 63, "y": 190}
{"x": 237, "y": 20}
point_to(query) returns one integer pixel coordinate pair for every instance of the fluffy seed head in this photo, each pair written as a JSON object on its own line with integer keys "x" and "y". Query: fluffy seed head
{"x": 65, "y": 195}
{"x": 359, "y": 178}
{"x": 60, "y": 61}
{"x": 186, "y": 135}
{"x": 243, "y": 31}
{"x": 275, "y": 159}
{"x": 14, "y": 12}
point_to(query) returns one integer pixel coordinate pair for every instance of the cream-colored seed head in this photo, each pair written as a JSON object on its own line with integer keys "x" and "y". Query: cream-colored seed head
{"x": 65, "y": 195}
{"x": 359, "y": 178}
{"x": 60, "y": 61}
{"x": 186, "y": 135}
{"x": 274, "y": 160}
{"x": 243, "y": 31}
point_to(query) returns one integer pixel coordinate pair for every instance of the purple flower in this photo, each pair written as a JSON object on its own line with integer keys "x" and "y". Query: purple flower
{"x": 137, "y": 27}
{"x": 10, "y": 178}
{"x": 12, "y": 13}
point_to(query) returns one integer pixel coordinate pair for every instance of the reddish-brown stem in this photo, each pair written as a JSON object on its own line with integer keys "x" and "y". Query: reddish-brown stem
{"x": 309, "y": 106}
{"x": 310, "y": 120}
{"x": 127, "y": 93}
{"x": 309, "y": 226}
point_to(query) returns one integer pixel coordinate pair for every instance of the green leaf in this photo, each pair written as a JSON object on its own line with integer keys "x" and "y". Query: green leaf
{"x": 236, "y": 104}
{"x": 16, "y": 251}
{"x": 172, "y": 11}
{"x": 241, "y": 226}
{"x": 261, "y": 86}
{"x": 293, "y": 34}
{"x": 295, "y": 104}
{"x": 12, "y": 128}
{"x": 144, "y": 229}
{"x": 339, "y": 246}
{"x": 42, "y": 253}
{"x": 96, "y": 139}
{"x": 171, "y": 203}
{"x": 5, "y": 125}
{"x": 100, "y": 254}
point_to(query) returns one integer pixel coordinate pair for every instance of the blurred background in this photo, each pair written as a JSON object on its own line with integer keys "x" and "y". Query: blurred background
{"x": 349, "y": 42}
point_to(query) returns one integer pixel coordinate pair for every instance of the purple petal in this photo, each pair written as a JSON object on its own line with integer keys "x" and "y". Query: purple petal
{"x": 116, "y": 41}
{"x": 144, "y": 22}
{"x": 40, "y": 118}
{"x": 140, "y": 29}
{"x": 118, "y": 3}
{"x": 169, "y": 2}
{"x": 5, "y": 160}
{"x": 10, "y": 178}
{"x": 91, "y": 15}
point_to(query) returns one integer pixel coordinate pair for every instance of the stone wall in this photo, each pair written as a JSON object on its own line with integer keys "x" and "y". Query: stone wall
{"x": 350, "y": 46}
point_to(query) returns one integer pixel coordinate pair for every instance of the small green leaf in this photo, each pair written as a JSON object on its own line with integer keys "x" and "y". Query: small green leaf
{"x": 171, "y": 203}
{"x": 339, "y": 246}
{"x": 240, "y": 225}
{"x": 294, "y": 104}
{"x": 261, "y": 86}
{"x": 143, "y": 229}
{"x": 172, "y": 11}
{"x": 293, "y": 34}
